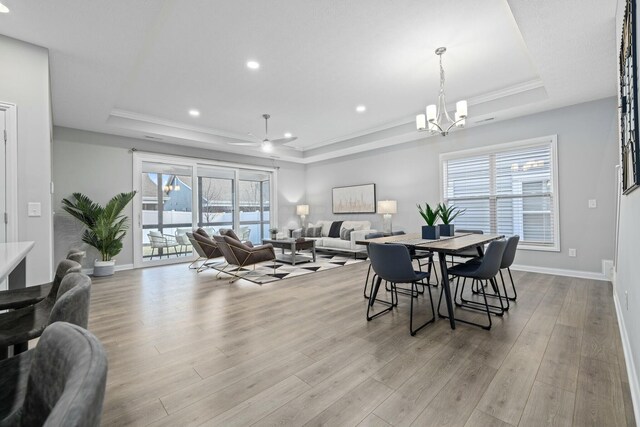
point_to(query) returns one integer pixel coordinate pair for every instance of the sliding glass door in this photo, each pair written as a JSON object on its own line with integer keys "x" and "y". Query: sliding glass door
{"x": 166, "y": 211}
{"x": 179, "y": 194}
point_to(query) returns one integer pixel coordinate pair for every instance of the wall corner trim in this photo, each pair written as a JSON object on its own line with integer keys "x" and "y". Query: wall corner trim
{"x": 634, "y": 386}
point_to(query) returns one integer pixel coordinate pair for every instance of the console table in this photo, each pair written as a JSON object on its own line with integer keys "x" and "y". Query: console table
{"x": 292, "y": 257}
{"x": 13, "y": 263}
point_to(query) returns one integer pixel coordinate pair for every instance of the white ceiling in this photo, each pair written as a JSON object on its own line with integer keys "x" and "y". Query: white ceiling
{"x": 135, "y": 68}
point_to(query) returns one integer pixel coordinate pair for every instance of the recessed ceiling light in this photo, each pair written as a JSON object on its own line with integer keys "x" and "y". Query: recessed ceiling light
{"x": 3, "y": 8}
{"x": 361, "y": 108}
{"x": 287, "y": 135}
{"x": 194, "y": 113}
{"x": 253, "y": 65}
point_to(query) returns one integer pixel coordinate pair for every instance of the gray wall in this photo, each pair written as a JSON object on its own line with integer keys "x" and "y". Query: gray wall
{"x": 101, "y": 166}
{"x": 409, "y": 173}
{"x": 627, "y": 279}
{"x": 24, "y": 81}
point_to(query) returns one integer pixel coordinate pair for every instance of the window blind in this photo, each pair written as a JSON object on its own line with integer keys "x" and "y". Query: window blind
{"x": 507, "y": 191}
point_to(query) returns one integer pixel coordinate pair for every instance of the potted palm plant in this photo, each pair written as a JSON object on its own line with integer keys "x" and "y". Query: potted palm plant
{"x": 447, "y": 215}
{"x": 105, "y": 226}
{"x": 430, "y": 216}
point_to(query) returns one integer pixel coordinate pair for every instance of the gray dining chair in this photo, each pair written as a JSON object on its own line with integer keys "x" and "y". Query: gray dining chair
{"x": 392, "y": 263}
{"x": 484, "y": 271}
{"x": 13, "y": 299}
{"x": 71, "y": 305}
{"x": 61, "y": 382}
{"x": 375, "y": 235}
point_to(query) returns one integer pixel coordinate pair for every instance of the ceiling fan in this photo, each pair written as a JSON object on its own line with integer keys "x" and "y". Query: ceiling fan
{"x": 266, "y": 144}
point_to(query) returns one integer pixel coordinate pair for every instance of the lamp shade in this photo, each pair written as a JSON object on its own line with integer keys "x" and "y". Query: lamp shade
{"x": 387, "y": 207}
{"x": 302, "y": 210}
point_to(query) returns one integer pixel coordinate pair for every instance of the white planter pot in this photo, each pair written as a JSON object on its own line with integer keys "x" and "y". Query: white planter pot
{"x": 104, "y": 268}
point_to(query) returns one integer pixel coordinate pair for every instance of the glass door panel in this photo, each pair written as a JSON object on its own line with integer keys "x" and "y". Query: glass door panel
{"x": 254, "y": 204}
{"x": 166, "y": 211}
{"x": 216, "y": 201}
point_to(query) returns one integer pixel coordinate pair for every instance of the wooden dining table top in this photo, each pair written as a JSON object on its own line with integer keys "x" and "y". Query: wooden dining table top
{"x": 457, "y": 243}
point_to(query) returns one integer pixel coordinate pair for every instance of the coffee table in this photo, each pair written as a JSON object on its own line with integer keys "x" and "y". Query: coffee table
{"x": 293, "y": 247}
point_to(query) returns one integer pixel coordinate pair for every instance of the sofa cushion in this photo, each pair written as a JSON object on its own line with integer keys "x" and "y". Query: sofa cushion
{"x": 336, "y": 243}
{"x": 334, "y": 231}
{"x": 357, "y": 225}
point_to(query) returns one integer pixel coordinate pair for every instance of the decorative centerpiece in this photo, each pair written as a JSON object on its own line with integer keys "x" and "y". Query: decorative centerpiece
{"x": 430, "y": 216}
{"x": 105, "y": 226}
{"x": 447, "y": 215}
{"x": 274, "y": 233}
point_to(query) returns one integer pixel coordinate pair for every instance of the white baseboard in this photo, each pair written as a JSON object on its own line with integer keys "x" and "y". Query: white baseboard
{"x": 631, "y": 366}
{"x": 561, "y": 272}
{"x": 118, "y": 268}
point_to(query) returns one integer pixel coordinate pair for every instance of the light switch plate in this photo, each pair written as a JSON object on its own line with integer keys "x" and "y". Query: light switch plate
{"x": 34, "y": 209}
{"x": 593, "y": 204}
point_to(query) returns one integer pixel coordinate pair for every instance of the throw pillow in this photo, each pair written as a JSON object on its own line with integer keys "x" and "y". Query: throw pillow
{"x": 298, "y": 232}
{"x": 334, "y": 231}
{"x": 345, "y": 233}
{"x": 317, "y": 231}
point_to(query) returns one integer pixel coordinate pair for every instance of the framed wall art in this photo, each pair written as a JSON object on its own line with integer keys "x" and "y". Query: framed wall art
{"x": 630, "y": 151}
{"x": 354, "y": 199}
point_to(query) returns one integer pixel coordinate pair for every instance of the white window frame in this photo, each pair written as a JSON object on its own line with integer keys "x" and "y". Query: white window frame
{"x": 552, "y": 141}
{"x": 194, "y": 163}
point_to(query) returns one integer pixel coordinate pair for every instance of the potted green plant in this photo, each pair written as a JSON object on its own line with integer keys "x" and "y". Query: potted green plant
{"x": 430, "y": 216}
{"x": 274, "y": 233}
{"x": 105, "y": 226}
{"x": 447, "y": 215}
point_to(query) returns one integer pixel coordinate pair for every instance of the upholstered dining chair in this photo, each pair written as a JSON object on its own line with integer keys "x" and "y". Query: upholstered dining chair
{"x": 392, "y": 263}
{"x": 61, "y": 382}
{"x": 17, "y": 298}
{"x": 241, "y": 255}
{"x": 375, "y": 235}
{"x": 70, "y": 305}
{"x": 484, "y": 271}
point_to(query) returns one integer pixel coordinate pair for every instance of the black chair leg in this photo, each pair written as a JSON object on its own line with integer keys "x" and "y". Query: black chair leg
{"x": 366, "y": 282}
{"x": 372, "y": 298}
{"x": 433, "y": 317}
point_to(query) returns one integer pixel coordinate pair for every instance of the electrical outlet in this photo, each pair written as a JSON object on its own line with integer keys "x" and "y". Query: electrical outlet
{"x": 572, "y": 252}
{"x": 626, "y": 300}
{"x": 593, "y": 204}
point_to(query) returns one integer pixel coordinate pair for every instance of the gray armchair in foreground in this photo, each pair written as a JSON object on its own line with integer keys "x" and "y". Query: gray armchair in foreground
{"x": 59, "y": 383}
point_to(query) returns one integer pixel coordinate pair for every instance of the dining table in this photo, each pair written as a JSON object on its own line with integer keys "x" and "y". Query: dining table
{"x": 445, "y": 246}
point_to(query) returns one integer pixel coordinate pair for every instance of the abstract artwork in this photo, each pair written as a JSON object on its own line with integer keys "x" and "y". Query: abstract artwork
{"x": 630, "y": 160}
{"x": 354, "y": 199}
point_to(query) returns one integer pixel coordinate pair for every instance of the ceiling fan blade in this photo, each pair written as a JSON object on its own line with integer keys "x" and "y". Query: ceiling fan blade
{"x": 255, "y": 144}
{"x": 284, "y": 140}
{"x": 254, "y": 137}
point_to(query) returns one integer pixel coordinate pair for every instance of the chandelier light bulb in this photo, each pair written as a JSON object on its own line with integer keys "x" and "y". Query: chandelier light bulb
{"x": 421, "y": 122}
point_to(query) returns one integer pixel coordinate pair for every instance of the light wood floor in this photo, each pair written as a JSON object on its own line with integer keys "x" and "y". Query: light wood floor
{"x": 187, "y": 349}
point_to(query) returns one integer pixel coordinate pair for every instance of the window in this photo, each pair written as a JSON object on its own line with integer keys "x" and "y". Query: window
{"x": 508, "y": 189}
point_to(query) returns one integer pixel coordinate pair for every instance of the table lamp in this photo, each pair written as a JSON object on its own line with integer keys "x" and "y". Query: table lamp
{"x": 303, "y": 211}
{"x": 386, "y": 208}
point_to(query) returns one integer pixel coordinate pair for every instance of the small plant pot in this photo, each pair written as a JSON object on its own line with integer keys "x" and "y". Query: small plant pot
{"x": 446, "y": 229}
{"x": 104, "y": 268}
{"x": 430, "y": 232}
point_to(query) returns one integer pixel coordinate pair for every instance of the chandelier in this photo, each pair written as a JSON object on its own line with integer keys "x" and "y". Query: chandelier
{"x": 437, "y": 119}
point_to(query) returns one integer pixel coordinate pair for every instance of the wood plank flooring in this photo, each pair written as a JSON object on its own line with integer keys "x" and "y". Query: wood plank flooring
{"x": 188, "y": 349}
